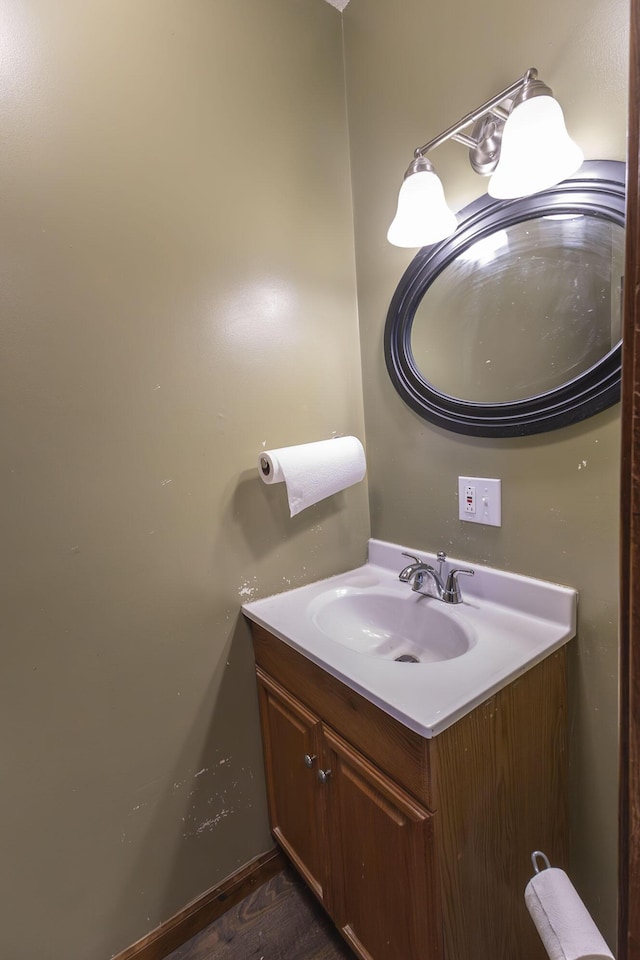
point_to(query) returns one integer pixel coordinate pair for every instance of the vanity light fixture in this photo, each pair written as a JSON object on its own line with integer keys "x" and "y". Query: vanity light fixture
{"x": 519, "y": 137}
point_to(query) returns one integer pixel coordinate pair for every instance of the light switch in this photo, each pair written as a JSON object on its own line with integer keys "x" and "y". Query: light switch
{"x": 479, "y": 500}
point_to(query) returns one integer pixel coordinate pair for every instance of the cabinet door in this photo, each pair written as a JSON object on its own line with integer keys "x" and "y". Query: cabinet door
{"x": 386, "y": 895}
{"x": 297, "y": 808}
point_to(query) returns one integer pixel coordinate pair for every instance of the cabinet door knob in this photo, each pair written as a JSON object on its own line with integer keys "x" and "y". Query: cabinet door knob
{"x": 323, "y": 775}
{"x": 308, "y": 759}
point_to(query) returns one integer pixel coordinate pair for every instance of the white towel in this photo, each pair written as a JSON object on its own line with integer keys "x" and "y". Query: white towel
{"x": 313, "y": 471}
{"x": 563, "y": 922}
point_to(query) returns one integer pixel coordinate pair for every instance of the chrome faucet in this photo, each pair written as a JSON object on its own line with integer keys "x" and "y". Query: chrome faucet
{"x": 416, "y": 573}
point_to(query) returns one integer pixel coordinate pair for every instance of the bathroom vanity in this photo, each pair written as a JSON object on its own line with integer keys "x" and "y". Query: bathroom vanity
{"x": 411, "y": 814}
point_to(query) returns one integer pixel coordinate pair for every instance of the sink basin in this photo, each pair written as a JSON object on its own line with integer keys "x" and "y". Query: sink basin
{"x": 452, "y": 657}
{"x": 408, "y": 628}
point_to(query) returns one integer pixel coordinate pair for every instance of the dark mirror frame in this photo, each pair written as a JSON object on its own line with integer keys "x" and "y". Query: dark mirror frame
{"x": 597, "y": 190}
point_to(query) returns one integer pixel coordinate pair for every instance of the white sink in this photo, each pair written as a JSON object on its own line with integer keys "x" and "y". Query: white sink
{"x": 401, "y": 626}
{"x": 357, "y": 624}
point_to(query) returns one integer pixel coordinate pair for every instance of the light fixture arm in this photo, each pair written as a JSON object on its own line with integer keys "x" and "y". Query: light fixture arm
{"x": 493, "y": 105}
{"x": 464, "y": 139}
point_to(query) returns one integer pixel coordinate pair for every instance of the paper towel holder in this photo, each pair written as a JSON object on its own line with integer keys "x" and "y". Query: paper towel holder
{"x": 534, "y": 860}
{"x": 265, "y": 466}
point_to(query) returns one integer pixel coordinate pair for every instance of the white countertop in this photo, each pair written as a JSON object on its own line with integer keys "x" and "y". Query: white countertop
{"x": 513, "y": 621}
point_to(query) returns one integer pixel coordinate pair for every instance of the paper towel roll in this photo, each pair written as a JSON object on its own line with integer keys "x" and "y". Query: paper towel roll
{"x": 563, "y": 922}
{"x": 313, "y": 471}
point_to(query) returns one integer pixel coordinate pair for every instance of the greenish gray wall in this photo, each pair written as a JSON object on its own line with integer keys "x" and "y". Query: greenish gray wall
{"x": 413, "y": 69}
{"x": 178, "y": 292}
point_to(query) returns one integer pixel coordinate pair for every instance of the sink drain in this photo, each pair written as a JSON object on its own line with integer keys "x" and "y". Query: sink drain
{"x": 407, "y": 658}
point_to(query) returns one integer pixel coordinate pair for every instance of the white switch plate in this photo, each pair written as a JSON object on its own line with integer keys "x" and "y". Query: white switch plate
{"x": 486, "y": 496}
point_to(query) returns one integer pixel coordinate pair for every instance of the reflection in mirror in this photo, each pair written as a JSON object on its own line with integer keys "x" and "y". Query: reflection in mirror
{"x": 528, "y": 308}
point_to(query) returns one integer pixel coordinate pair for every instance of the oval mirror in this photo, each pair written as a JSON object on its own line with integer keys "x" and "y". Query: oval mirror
{"x": 512, "y": 326}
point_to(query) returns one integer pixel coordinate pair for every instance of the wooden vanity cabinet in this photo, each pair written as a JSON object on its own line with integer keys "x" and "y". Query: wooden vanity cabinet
{"x": 292, "y": 747}
{"x": 382, "y": 856}
{"x": 419, "y": 849}
{"x": 364, "y": 846}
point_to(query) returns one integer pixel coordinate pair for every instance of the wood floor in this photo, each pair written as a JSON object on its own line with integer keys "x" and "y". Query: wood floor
{"x": 280, "y": 920}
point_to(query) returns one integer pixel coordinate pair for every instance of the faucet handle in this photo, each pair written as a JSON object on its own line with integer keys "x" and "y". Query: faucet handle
{"x": 454, "y": 573}
{"x": 406, "y": 573}
{"x": 452, "y": 588}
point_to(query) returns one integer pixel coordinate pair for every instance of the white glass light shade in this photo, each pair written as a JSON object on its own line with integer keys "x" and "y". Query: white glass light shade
{"x": 423, "y": 216}
{"x": 536, "y": 152}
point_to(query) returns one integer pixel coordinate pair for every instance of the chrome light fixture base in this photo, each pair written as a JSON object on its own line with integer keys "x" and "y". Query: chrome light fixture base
{"x": 487, "y": 132}
{"x": 531, "y": 87}
{"x": 419, "y": 164}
